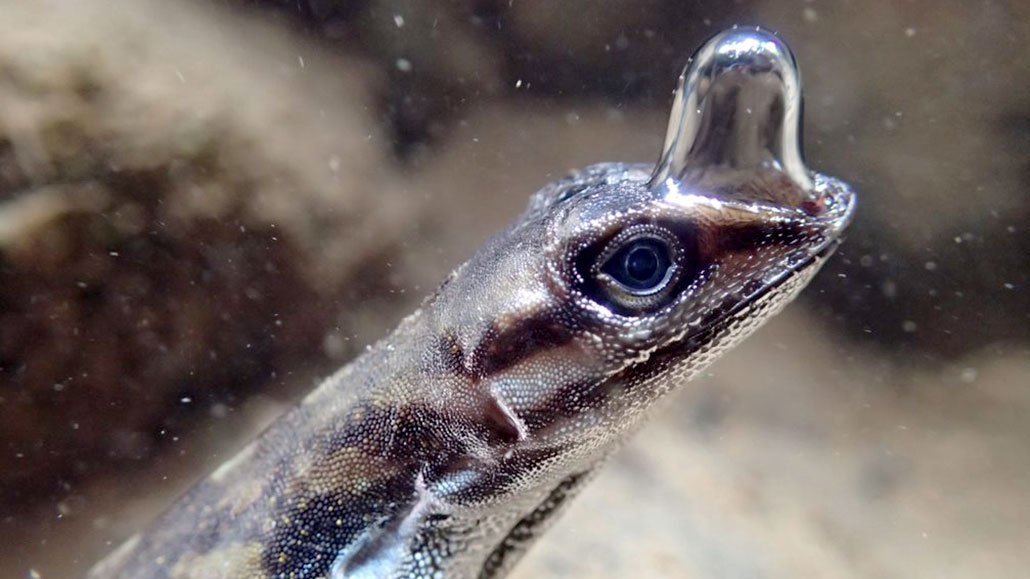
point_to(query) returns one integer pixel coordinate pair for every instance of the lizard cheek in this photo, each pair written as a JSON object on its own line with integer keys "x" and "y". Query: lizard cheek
{"x": 551, "y": 391}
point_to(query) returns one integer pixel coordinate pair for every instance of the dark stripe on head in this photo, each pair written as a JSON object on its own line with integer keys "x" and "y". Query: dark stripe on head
{"x": 511, "y": 340}
{"x": 568, "y": 401}
{"x": 745, "y": 237}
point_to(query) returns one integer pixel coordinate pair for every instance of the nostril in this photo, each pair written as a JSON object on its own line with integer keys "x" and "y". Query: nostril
{"x": 816, "y": 207}
{"x": 830, "y": 197}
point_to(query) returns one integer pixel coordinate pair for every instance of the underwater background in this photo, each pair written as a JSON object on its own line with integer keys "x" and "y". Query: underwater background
{"x": 206, "y": 206}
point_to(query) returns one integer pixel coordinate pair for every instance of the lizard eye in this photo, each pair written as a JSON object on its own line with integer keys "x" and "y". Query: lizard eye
{"x": 637, "y": 269}
{"x": 641, "y": 266}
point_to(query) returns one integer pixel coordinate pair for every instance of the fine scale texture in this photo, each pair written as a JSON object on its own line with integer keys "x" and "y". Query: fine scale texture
{"x": 449, "y": 446}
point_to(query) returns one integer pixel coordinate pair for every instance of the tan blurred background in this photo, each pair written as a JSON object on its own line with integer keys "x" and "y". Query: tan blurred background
{"x": 205, "y": 206}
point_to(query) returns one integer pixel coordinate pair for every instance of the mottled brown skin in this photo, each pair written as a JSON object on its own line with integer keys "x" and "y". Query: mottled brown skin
{"x": 449, "y": 446}
{"x": 499, "y": 404}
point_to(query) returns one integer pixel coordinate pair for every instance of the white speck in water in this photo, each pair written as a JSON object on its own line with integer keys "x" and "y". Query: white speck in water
{"x": 58, "y": 387}
{"x": 300, "y": 60}
{"x": 178, "y": 73}
{"x": 33, "y": 574}
{"x": 334, "y": 345}
{"x": 968, "y": 375}
{"x": 1009, "y": 286}
{"x": 909, "y": 327}
{"x": 572, "y": 118}
{"x": 398, "y": 20}
{"x": 809, "y": 14}
{"x": 334, "y": 164}
{"x": 930, "y": 266}
{"x": 403, "y": 65}
{"x": 113, "y": 253}
{"x": 910, "y": 32}
{"x": 186, "y": 400}
{"x": 518, "y": 83}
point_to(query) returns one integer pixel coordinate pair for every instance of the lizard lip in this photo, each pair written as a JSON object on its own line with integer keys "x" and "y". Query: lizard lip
{"x": 815, "y": 259}
{"x": 822, "y": 253}
{"x": 837, "y": 202}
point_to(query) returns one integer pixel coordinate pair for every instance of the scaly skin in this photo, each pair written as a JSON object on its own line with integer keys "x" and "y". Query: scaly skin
{"x": 445, "y": 449}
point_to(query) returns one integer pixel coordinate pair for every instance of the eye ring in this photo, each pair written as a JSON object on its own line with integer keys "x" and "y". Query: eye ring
{"x": 638, "y": 268}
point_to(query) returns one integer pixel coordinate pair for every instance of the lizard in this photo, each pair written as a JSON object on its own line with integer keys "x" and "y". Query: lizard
{"x": 449, "y": 446}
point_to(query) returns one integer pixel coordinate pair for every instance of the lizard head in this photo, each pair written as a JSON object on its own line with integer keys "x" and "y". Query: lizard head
{"x": 620, "y": 282}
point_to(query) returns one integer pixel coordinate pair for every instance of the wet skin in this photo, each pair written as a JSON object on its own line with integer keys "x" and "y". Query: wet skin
{"x": 449, "y": 446}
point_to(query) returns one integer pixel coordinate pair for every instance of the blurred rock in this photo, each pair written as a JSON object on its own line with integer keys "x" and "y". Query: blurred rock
{"x": 445, "y": 56}
{"x": 624, "y": 51}
{"x": 438, "y": 58}
{"x": 180, "y": 208}
{"x": 436, "y": 55}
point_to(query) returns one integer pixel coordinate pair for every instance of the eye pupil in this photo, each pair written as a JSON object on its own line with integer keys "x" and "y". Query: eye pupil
{"x": 641, "y": 266}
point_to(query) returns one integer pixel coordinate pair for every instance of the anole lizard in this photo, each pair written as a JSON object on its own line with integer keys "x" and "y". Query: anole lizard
{"x": 449, "y": 446}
